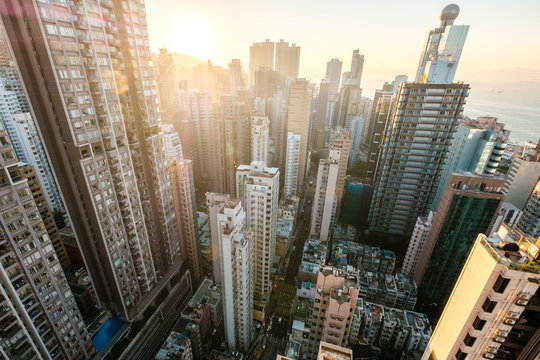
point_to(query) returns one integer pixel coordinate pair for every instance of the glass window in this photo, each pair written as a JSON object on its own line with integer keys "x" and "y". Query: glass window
{"x": 501, "y": 284}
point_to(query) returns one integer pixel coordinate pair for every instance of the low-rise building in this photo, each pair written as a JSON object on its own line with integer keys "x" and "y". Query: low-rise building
{"x": 176, "y": 347}
{"x": 205, "y": 307}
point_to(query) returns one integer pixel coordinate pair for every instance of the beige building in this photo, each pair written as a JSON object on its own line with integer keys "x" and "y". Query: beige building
{"x": 341, "y": 140}
{"x": 329, "y": 351}
{"x": 334, "y": 304}
{"x": 493, "y": 309}
{"x": 299, "y": 116}
{"x": 181, "y": 174}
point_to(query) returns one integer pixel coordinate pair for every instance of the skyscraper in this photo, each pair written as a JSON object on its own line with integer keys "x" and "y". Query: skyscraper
{"x": 173, "y": 146}
{"x": 442, "y": 49}
{"x": 492, "y": 311}
{"x": 473, "y": 149}
{"x": 215, "y": 203}
{"x": 325, "y": 202}
{"x": 39, "y": 315}
{"x": 236, "y": 72}
{"x": 416, "y": 244}
{"x": 168, "y": 85}
{"x": 333, "y": 75}
{"x": 261, "y": 56}
{"x": 292, "y": 157}
{"x": 236, "y": 137}
{"x": 341, "y": 140}
{"x": 101, "y": 132}
{"x": 351, "y": 92}
{"x": 529, "y": 222}
{"x": 208, "y": 159}
{"x": 287, "y": 62}
{"x": 417, "y": 139}
{"x": 320, "y": 122}
{"x": 181, "y": 174}
{"x": 22, "y": 130}
{"x": 298, "y": 121}
{"x": 258, "y": 187}
{"x": 469, "y": 206}
{"x": 259, "y": 139}
{"x": 237, "y": 259}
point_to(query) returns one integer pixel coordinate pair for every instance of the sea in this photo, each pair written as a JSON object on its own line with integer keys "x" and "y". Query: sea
{"x": 514, "y": 103}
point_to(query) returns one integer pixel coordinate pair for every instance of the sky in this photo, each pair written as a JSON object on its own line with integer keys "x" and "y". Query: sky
{"x": 390, "y": 33}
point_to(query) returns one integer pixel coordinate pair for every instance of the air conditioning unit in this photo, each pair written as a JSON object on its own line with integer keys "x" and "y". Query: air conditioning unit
{"x": 522, "y": 298}
{"x": 500, "y": 336}
{"x": 488, "y": 355}
{"x": 491, "y": 350}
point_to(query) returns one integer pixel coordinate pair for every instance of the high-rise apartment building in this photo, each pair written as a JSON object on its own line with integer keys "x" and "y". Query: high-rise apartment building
{"x": 341, "y": 140}
{"x": 298, "y": 123}
{"x": 521, "y": 180}
{"x": 258, "y": 187}
{"x": 417, "y": 139}
{"x": 333, "y": 75}
{"x": 237, "y": 259}
{"x": 418, "y": 135}
{"x": 287, "y": 62}
{"x": 22, "y": 130}
{"x": 292, "y": 159}
{"x": 94, "y": 99}
{"x": 416, "y": 244}
{"x": 208, "y": 146}
{"x": 320, "y": 123}
{"x": 236, "y": 73}
{"x": 354, "y": 124}
{"x": 259, "y": 139}
{"x": 215, "y": 203}
{"x": 492, "y": 312}
{"x": 335, "y": 302}
{"x": 442, "y": 49}
{"x": 529, "y": 222}
{"x": 261, "y": 56}
{"x": 379, "y": 117}
{"x": 473, "y": 149}
{"x": 236, "y": 137}
{"x": 29, "y": 173}
{"x": 325, "y": 202}
{"x": 39, "y": 316}
{"x": 468, "y": 207}
{"x": 350, "y": 93}
{"x": 168, "y": 86}
{"x": 181, "y": 174}
{"x": 173, "y": 146}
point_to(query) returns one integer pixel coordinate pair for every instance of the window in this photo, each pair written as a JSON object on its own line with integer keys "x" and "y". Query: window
{"x": 469, "y": 340}
{"x": 489, "y": 305}
{"x": 460, "y": 355}
{"x": 501, "y": 284}
{"x": 478, "y": 323}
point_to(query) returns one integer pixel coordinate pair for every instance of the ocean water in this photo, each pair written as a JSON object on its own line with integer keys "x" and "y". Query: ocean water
{"x": 514, "y": 103}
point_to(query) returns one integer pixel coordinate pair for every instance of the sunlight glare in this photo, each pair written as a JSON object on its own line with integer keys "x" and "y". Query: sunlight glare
{"x": 193, "y": 36}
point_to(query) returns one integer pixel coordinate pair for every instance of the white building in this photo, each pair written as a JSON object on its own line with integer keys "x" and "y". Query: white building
{"x": 416, "y": 244}
{"x": 333, "y": 75}
{"x": 259, "y": 139}
{"x": 258, "y": 187}
{"x": 173, "y": 146}
{"x": 215, "y": 203}
{"x": 325, "y": 201}
{"x": 485, "y": 314}
{"x": 291, "y": 164}
{"x": 237, "y": 268}
{"x": 520, "y": 181}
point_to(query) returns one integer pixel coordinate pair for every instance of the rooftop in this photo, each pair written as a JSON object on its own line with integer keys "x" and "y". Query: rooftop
{"x": 208, "y": 293}
{"x": 520, "y": 254}
{"x": 174, "y": 347}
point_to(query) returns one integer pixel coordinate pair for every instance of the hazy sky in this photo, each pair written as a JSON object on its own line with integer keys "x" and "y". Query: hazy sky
{"x": 390, "y": 33}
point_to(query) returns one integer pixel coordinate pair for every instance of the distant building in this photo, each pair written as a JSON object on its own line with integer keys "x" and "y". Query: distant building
{"x": 261, "y": 55}
{"x": 260, "y": 139}
{"x": 521, "y": 180}
{"x": 333, "y": 75}
{"x": 287, "y": 62}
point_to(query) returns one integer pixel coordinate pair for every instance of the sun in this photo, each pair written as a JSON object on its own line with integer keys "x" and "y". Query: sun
{"x": 193, "y": 36}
